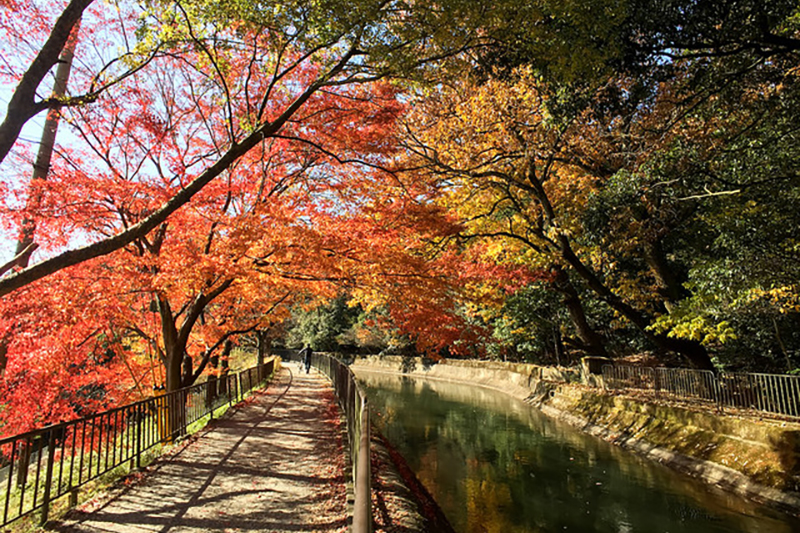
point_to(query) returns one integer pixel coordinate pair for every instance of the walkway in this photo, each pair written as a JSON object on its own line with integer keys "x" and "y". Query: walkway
{"x": 275, "y": 465}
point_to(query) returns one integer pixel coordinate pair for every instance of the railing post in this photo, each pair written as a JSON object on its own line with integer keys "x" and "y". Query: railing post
{"x": 182, "y": 410}
{"x": 25, "y": 448}
{"x": 717, "y": 389}
{"x": 657, "y": 381}
{"x": 362, "y": 513}
{"x": 48, "y": 477}
{"x": 210, "y": 396}
{"x": 139, "y": 413}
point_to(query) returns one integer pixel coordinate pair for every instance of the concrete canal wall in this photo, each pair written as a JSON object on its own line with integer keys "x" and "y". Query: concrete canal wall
{"x": 753, "y": 457}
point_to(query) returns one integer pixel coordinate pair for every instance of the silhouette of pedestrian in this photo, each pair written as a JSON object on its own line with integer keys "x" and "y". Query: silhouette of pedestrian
{"x": 305, "y": 354}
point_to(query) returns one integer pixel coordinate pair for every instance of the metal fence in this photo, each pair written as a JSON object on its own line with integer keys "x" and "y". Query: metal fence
{"x": 39, "y": 466}
{"x": 353, "y": 401}
{"x": 768, "y": 393}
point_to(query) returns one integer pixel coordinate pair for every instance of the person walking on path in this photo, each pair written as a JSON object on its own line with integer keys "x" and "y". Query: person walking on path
{"x": 305, "y": 356}
{"x": 275, "y": 465}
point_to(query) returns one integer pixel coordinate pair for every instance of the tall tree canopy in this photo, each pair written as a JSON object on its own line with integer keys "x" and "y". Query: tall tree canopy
{"x": 683, "y": 113}
{"x": 536, "y": 179}
{"x": 255, "y": 66}
{"x": 204, "y": 172}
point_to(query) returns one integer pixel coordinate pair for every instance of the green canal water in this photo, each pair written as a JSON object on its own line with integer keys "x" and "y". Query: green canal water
{"x": 497, "y": 465}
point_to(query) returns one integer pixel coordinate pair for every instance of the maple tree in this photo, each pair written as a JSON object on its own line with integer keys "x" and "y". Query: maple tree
{"x": 136, "y": 153}
{"x": 212, "y": 271}
{"x": 348, "y": 44}
{"x": 197, "y": 87}
{"x": 237, "y": 257}
{"x": 227, "y": 79}
{"x": 226, "y": 162}
{"x": 394, "y": 268}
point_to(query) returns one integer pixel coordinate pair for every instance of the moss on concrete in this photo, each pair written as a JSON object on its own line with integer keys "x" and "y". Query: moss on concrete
{"x": 766, "y": 451}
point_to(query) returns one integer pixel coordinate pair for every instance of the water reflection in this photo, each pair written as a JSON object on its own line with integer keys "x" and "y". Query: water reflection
{"x": 495, "y": 464}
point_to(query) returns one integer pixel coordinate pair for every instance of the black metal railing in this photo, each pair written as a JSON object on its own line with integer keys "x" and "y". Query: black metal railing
{"x": 353, "y": 402}
{"x": 40, "y": 466}
{"x": 768, "y": 393}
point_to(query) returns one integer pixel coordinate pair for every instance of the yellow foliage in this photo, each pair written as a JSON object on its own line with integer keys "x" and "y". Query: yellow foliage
{"x": 501, "y": 166}
{"x": 693, "y": 327}
{"x": 785, "y": 298}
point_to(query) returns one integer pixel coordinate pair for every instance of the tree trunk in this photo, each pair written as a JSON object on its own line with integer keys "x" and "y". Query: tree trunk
{"x": 264, "y": 345}
{"x": 176, "y": 404}
{"x": 558, "y": 345}
{"x": 591, "y": 340}
{"x": 173, "y": 346}
{"x": 186, "y": 374}
{"x": 693, "y": 351}
{"x": 212, "y": 382}
{"x": 176, "y": 339}
{"x": 223, "y": 376}
{"x": 3, "y": 355}
{"x": 668, "y": 286}
{"x": 41, "y": 169}
{"x": 23, "y": 106}
{"x": 226, "y": 352}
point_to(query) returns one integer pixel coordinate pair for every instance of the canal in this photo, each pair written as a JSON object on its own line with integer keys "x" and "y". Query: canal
{"x": 495, "y": 464}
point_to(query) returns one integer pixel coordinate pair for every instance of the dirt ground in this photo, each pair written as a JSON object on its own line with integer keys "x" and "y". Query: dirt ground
{"x": 274, "y": 465}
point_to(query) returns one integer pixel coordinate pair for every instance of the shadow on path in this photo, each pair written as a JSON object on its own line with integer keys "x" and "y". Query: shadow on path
{"x": 276, "y": 464}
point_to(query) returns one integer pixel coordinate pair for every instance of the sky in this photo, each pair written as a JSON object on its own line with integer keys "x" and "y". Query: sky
{"x": 15, "y": 55}
{"x": 30, "y": 136}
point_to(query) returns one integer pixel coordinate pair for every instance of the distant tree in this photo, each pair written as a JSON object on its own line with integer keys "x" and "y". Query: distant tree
{"x": 323, "y": 327}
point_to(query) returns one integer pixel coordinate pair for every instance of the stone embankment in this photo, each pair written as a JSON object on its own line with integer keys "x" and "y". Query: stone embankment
{"x": 754, "y": 457}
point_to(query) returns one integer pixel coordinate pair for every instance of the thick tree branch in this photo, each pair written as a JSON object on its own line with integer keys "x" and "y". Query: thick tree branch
{"x": 197, "y": 307}
{"x": 23, "y": 106}
{"x": 20, "y": 258}
{"x": 111, "y": 244}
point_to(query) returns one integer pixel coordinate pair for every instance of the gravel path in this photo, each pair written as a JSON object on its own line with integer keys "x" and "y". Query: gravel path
{"x": 276, "y": 465}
